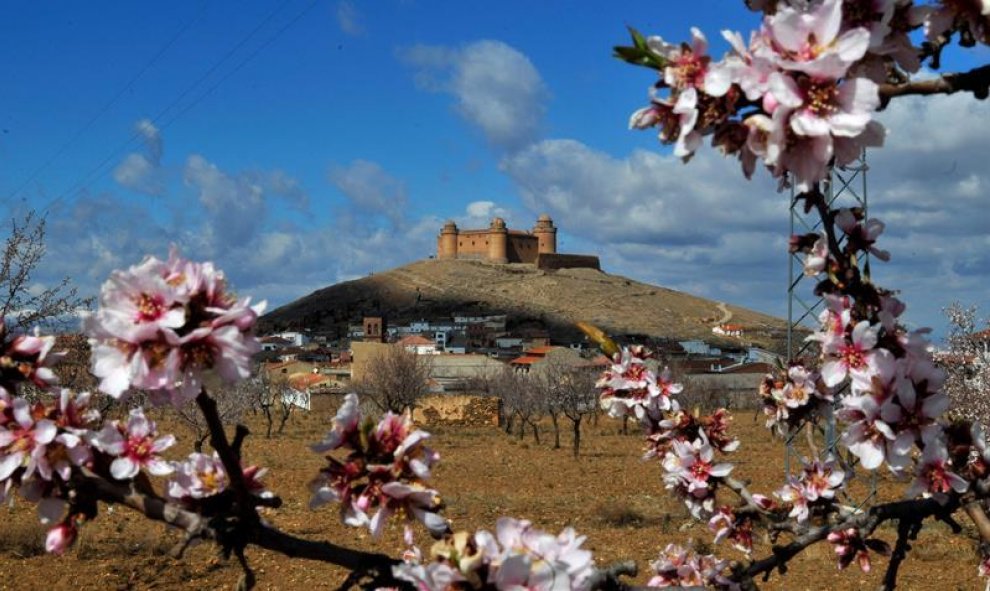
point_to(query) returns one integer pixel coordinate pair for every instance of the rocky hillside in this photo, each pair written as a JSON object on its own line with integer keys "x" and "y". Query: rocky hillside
{"x": 555, "y": 299}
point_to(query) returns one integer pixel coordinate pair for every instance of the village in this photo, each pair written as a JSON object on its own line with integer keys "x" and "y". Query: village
{"x": 462, "y": 351}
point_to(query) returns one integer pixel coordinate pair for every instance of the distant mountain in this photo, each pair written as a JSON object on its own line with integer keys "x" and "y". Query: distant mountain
{"x": 433, "y": 289}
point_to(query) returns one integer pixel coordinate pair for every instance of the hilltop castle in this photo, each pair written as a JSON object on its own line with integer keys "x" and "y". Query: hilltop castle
{"x": 498, "y": 244}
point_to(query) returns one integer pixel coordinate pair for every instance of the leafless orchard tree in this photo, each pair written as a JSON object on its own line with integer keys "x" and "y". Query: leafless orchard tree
{"x": 967, "y": 363}
{"x": 265, "y": 395}
{"x": 523, "y": 400}
{"x": 395, "y": 379}
{"x": 573, "y": 394}
{"x": 22, "y": 305}
{"x": 233, "y": 402}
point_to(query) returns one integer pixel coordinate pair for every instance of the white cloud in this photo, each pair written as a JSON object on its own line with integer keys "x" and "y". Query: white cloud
{"x": 348, "y": 18}
{"x": 498, "y": 90}
{"x": 371, "y": 189}
{"x": 152, "y": 138}
{"x": 235, "y": 204}
{"x": 703, "y": 228}
{"x": 142, "y": 172}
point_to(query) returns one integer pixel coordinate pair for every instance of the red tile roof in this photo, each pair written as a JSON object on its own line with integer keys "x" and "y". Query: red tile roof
{"x": 539, "y": 350}
{"x": 525, "y": 360}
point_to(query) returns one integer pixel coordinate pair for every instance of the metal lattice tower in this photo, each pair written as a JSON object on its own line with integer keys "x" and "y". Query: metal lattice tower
{"x": 845, "y": 187}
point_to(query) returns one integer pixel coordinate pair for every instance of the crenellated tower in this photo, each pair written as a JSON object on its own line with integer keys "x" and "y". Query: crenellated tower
{"x": 498, "y": 242}
{"x": 447, "y": 241}
{"x": 546, "y": 234}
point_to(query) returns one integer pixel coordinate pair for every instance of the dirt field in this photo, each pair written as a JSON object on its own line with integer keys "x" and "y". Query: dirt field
{"x": 608, "y": 495}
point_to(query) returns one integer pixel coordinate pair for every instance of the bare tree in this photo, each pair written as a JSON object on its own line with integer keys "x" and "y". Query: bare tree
{"x": 967, "y": 363}
{"x": 233, "y": 401}
{"x": 267, "y": 395}
{"x": 570, "y": 391}
{"x": 22, "y": 305}
{"x": 395, "y": 379}
{"x": 523, "y": 400}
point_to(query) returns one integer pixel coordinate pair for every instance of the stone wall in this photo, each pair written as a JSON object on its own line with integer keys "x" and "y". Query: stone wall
{"x": 447, "y": 409}
{"x": 552, "y": 262}
{"x": 441, "y": 409}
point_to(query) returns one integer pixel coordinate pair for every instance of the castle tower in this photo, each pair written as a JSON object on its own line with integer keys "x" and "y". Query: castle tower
{"x": 498, "y": 240}
{"x": 547, "y": 235}
{"x": 447, "y": 241}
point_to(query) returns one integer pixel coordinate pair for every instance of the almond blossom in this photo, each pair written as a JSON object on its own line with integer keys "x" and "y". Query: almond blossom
{"x": 23, "y": 441}
{"x": 28, "y": 357}
{"x": 162, "y": 325}
{"x": 134, "y": 447}
{"x": 812, "y": 42}
{"x": 933, "y": 475}
{"x": 853, "y": 356}
{"x": 691, "y": 473}
{"x": 850, "y": 546}
{"x": 518, "y": 556}
{"x": 629, "y": 386}
{"x": 197, "y": 477}
{"x": 679, "y": 567}
{"x": 60, "y": 538}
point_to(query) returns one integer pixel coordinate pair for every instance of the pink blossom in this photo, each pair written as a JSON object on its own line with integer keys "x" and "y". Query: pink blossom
{"x": 533, "y": 559}
{"x": 134, "y": 447}
{"x": 679, "y": 567}
{"x": 413, "y": 500}
{"x": 738, "y": 530}
{"x": 31, "y": 358}
{"x": 868, "y": 437}
{"x": 629, "y": 386}
{"x": 853, "y": 356}
{"x": 688, "y": 65}
{"x": 162, "y": 325}
{"x": 810, "y": 41}
{"x": 933, "y": 475}
{"x": 862, "y": 235}
{"x": 345, "y": 425}
{"x": 825, "y": 107}
{"x": 850, "y": 546}
{"x": 60, "y": 538}
{"x": 197, "y": 477}
{"x": 24, "y": 440}
{"x": 691, "y": 473}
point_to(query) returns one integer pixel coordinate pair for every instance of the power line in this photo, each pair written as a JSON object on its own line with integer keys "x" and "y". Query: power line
{"x": 97, "y": 171}
{"x": 106, "y": 107}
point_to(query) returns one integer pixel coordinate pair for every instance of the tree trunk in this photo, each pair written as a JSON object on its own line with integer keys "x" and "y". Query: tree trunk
{"x": 625, "y": 425}
{"x": 521, "y": 432}
{"x": 556, "y": 430}
{"x": 577, "y": 435}
{"x": 536, "y": 432}
{"x": 286, "y": 412}
{"x": 509, "y": 419}
{"x": 268, "y": 421}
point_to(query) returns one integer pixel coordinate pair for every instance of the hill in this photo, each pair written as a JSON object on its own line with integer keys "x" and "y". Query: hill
{"x": 555, "y": 299}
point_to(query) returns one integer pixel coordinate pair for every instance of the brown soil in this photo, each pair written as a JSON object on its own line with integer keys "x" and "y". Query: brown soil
{"x": 608, "y": 494}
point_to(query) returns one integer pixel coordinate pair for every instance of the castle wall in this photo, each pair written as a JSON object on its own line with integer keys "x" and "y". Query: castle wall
{"x": 497, "y": 244}
{"x": 522, "y": 248}
{"x": 473, "y": 244}
{"x": 552, "y": 262}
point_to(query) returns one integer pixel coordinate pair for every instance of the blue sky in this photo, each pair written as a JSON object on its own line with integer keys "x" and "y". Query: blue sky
{"x": 301, "y": 143}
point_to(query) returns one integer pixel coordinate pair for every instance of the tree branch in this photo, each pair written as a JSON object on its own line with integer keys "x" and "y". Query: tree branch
{"x": 913, "y": 510}
{"x": 976, "y": 81}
